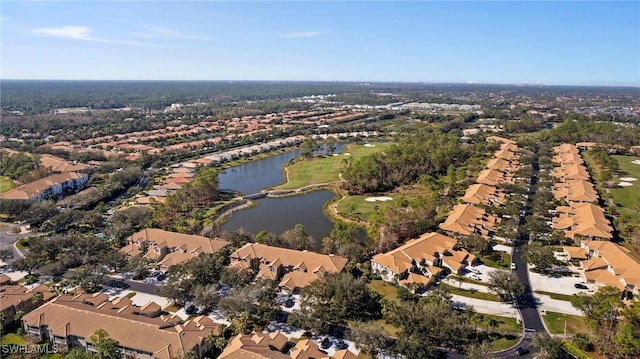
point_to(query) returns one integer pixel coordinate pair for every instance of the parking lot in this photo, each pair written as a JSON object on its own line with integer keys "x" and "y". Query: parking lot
{"x": 479, "y": 272}
{"x": 558, "y": 284}
{"x": 139, "y": 299}
{"x": 326, "y": 343}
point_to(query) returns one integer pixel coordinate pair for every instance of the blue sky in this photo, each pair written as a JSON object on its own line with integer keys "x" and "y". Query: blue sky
{"x": 570, "y": 43}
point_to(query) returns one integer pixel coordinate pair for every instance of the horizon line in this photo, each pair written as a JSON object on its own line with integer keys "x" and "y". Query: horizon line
{"x": 530, "y": 84}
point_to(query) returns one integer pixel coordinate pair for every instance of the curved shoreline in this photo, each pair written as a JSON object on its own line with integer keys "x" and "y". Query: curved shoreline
{"x": 329, "y": 208}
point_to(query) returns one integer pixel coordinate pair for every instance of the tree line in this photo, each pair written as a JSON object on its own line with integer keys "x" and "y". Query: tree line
{"x": 421, "y": 150}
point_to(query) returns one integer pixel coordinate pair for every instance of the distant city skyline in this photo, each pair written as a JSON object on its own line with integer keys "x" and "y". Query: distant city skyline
{"x": 547, "y": 43}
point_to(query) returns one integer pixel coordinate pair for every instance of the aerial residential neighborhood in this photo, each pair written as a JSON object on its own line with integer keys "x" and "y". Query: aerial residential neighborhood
{"x": 319, "y": 180}
{"x": 136, "y": 254}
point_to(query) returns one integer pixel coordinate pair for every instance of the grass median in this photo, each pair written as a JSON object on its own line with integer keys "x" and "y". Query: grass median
{"x": 469, "y": 293}
{"x": 555, "y": 322}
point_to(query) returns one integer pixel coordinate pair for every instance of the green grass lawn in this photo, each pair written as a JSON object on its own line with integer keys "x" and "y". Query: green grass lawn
{"x": 505, "y": 324}
{"x": 358, "y": 207}
{"x": 556, "y": 295}
{"x": 555, "y": 323}
{"x": 12, "y": 338}
{"x": 496, "y": 260}
{"x": 5, "y": 184}
{"x": 326, "y": 169}
{"x": 627, "y": 198}
{"x": 23, "y": 243}
{"x": 453, "y": 289}
{"x": 504, "y": 342}
{"x": 388, "y": 290}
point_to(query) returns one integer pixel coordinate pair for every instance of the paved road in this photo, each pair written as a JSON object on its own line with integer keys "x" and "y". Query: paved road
{"x": 527, "y": 303}
{"x": 8, "y": 238}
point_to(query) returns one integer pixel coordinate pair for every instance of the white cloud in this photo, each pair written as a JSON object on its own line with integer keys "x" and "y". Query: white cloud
{"x": 301, "y": 34}
{"x": 67, "y": 32}
{"x": 160, "y": 33}
{"x": 82, "y": 33}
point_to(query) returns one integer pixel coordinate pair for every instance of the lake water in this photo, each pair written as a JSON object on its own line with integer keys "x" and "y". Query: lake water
{"x": 254, "y": 176}
{"x": 279, "y": 214}
{"x": 275, "y": 214}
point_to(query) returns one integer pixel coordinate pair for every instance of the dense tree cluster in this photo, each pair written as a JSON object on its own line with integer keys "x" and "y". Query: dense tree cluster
{"x": 335, "y": 299}
{"x": 127, "y": 221}
{"x": 506, "y": 285}
{"x": 540, "y": 256}
{"x": 251, "y": 306}
{"x": 177, "y": 213}
{"x": 426, "y": 324}
{"x": 185, "y": 278}
{"x": 53, "y": 256}
{"x": 614, "y": 324}
{"x": 422, "y": 150}
{"x": 578, "y": 129}
{"x": 22, "y": 167}
{"x": 294, "y": 238}
{"x": 400, "y": 221}
{"x": 607, "y": 165}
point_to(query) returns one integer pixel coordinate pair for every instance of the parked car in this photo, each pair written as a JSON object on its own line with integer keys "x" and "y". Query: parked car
{"x": 513, "y": 265}
{"x": 580, "y": 286}
{"x": 522, "y": 351}
{"x": 326, "y": 343}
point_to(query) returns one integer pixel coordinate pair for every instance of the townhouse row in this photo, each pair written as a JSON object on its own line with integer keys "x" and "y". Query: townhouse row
{"x": 469, "y": 218}
{"x": 581, "y": 217}
{"x": 420, "y": 261}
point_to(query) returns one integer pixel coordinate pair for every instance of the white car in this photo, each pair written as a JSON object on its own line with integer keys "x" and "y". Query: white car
{"x": 513, "y": 265}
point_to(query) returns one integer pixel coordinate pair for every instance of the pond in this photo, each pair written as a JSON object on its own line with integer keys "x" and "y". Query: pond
{"x": 275, "y": 214}
{"x": 279, "y": 214}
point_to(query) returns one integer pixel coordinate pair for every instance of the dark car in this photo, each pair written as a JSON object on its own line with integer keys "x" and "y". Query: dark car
{"x": 580, "y": 286}
{"x": 289, "y": 303}
{"x": 326, "y": 343}
{"x": 189, "y": 308}
{"x": 522, "y": 351}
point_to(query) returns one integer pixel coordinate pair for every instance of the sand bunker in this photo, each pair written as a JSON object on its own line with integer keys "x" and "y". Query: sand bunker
{"x": 625, "y": 184}
{"x": 637, "y": 162}
{"x": 347, "y": 154}
{"x": 369, "y": 145}
{"x": 628, "y": 179}
{"x": 381, "y": 199}
{"x": 335, "y": 154}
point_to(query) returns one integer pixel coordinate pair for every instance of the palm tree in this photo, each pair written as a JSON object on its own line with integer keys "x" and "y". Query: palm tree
{"x": 493, "y": 324}
{"x": 459, "y": 277}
